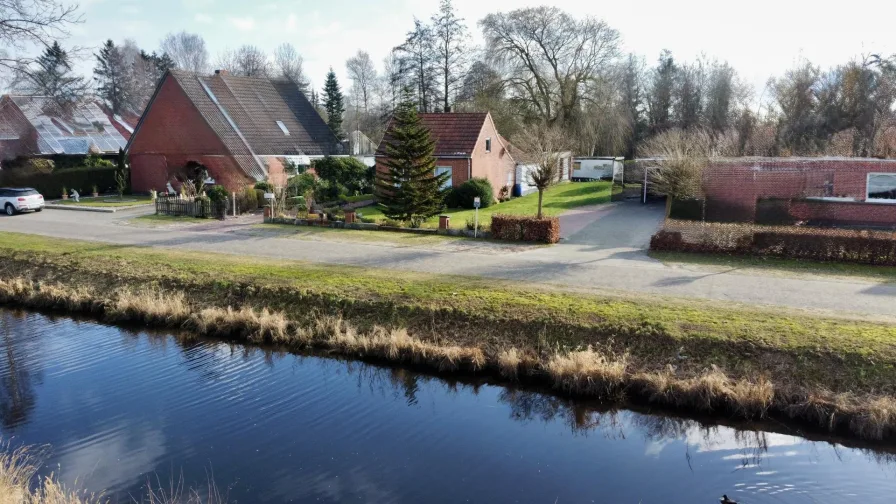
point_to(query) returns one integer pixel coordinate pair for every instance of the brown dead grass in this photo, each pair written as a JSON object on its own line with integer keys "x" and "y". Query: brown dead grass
{"x": 590, "y": 372}
{"x": 18, "y": 469}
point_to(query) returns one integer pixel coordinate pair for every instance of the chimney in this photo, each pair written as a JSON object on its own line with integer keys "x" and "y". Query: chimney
{"x": 220, "y": 72}
{"x": 448, "y": 109}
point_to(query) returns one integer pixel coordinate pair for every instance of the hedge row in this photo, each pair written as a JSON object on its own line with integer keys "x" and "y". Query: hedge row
{"x": 826, "y": 247}
{"x": 51, "y": 184}
{"x": 522, "y": 228}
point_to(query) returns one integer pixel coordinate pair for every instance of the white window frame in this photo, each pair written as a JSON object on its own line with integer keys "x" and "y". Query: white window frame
{"x": 867, "y": 187}
{"x": 450, "y": 182}
{"x": 283, "y": 128}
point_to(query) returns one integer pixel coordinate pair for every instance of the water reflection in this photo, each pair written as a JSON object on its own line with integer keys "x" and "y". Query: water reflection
{"x": 122, "y": 406}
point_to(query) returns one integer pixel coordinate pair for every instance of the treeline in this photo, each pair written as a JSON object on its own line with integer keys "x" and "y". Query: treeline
{"x": 537, "y": 65}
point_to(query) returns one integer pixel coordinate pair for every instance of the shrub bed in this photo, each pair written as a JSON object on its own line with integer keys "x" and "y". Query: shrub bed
{"x": 523, "y": 228}
{"x": 51, "y": 184}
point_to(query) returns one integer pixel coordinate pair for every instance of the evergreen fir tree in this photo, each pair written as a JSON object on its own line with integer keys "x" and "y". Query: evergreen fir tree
{"x": 51, "y": 75}
{"x": 409, "y": 190}
{"x": 112, "y": 77}
{"x": 333, "y": 104}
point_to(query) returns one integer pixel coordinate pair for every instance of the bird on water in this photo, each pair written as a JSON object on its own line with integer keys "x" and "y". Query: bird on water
{"x": 725, "y": 500}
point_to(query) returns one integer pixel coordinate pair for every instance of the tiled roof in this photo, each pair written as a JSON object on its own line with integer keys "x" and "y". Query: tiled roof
{"x": 75, "y": 131}
{"x": 455, "y": 134}
{"x": 245, "y": 111}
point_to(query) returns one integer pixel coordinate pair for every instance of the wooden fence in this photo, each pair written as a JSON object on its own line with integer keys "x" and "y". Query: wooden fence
{"x": 203, "y": 209}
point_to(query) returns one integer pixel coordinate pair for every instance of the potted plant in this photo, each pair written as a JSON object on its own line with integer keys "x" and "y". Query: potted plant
{"x": 96, "y": 191}
{"x": 64, "y": 192}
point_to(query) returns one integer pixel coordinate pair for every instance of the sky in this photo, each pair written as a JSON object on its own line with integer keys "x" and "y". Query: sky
{"x": 760, "y": 38}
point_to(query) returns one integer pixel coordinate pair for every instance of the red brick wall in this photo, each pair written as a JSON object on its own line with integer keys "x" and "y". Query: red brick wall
{"x": 495, "y": 165}
{"x": 173, "y": 133}
{"x": 738, "y": 183}
{"x": 846, "y": 213}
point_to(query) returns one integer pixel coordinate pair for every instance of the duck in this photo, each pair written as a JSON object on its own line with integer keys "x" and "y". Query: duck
{"x": 725, "y": 500}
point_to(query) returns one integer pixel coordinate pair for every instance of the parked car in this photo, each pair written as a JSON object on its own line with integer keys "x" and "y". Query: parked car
{"x": 20, "y": 199}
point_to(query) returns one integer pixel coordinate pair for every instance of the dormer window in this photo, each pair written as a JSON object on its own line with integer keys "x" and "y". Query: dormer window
{"x": 283, "y": 128}
{"x": 488, "y": 145}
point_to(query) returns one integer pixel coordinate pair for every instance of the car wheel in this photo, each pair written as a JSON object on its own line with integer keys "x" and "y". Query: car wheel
{"x": 38, "y": 209}
{"x": 10, "y": 210}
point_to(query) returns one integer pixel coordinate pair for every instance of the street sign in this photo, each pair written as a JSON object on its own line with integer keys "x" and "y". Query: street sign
{"x": 268, "y": 195}
{"x": 476, "y": 202}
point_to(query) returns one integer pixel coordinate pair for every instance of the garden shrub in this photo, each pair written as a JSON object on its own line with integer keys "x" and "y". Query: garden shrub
{"x": 471, "y": 189}
{"x": 218, "y": 193}
{"x": 51, "y": 184}
{"x": 451, "y": 197}
{"x": 393, "y": 223}
{"x": 343, "y": 176}
{"x": 356, "y": 199}
{"x": 259, "y": 198}
{"x": 297, "y": 202}
{"x": 687, "y": 209}
{"x": 264, "y": 185}
{"x": 248, "y": 200}
{"x": 300, "y": 184}
{"x": 524, "y": 228}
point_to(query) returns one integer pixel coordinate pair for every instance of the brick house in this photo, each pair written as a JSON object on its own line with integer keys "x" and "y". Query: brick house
{"x": 828, "y": 191}
{"x": 467, "y": 145}
{"x": 37, "y": 126}
{"x": 241, "y": 129}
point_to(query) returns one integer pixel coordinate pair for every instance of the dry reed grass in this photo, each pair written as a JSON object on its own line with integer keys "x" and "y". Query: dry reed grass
{"x": 586, "y": 372}
{"x": 18, "y": 469}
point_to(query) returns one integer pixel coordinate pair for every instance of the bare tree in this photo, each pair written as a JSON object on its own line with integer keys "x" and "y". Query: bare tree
{"x": 683, "y": 157}
{"x": 450, "y": 35}
{"x": 247, "y": 61}
{"x": 542, "y": 145}
{"x": 290, "y": 64}
{"x": 25, "y": 24}
{"x": 551, "y": 56}
{"x": 418, "y": 64}
{"x": 187, "y": 50}
{"x": 363, "y": 75}
{"x": 660, "y": 93}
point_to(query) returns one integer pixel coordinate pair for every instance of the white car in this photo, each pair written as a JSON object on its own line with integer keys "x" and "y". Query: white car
{"x": 20, "y": 200}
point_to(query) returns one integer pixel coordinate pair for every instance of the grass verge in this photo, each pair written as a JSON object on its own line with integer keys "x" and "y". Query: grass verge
{"x": 557, "y": 200}
{"x": 107, "y": 201}
{"x": 357, "y": 235}
{"x": 835, "y": 374}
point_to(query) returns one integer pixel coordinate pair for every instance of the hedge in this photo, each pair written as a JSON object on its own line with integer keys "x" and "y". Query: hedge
{"x": 522, "y": 228}
{"x": 463, "y": 196}
{"x": 51, "y": 184}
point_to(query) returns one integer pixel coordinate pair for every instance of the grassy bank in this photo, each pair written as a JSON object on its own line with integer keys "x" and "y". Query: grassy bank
{"x": 557, "y": 200}
{"x": 837, "y": 374}
{"x": 107, "y": 201}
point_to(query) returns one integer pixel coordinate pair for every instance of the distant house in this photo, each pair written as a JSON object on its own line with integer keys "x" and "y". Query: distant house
{"x": 522, "y": 178}
{"x": 467, "y": 145}
{"x": 240, "y": 129}
{"x": 37, "y": 126}
{"x": 360, "y": 144}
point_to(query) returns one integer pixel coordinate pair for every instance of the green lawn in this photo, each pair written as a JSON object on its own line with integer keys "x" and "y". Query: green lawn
{"x": 107, "y": 201}
{"x": 358, "y": 235}
{"x": 557, "y": 200}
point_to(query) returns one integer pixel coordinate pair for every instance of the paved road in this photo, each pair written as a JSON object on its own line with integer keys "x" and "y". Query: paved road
{"x": 602, "y": 249}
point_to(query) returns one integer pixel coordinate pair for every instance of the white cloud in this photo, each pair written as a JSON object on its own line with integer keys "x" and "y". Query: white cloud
{"x": 203, "y": 18}
{"x": 292, "y": 22}
{"x": 243, "y": 24}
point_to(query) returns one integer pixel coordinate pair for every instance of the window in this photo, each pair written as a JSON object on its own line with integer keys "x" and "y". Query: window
{"x": 283, "y": 128}
{"x": 881, "y": 187}
{"x": 577, "y": 165}
{"x": 444, "y": 169}
{"x": 488, "y": 145}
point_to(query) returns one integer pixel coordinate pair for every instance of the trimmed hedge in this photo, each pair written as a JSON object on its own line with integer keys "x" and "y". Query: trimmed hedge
{"x": 462, "y": 197}
{"x": 51, "y": 184}
{"x": 523, "y": 228}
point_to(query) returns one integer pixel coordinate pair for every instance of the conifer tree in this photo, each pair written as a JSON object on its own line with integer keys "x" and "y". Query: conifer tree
{"x": 51, "y": 75}
{"x": 112, "y": 77}
{"x": 410, "y": 190}
{"x": 333, "y": 104}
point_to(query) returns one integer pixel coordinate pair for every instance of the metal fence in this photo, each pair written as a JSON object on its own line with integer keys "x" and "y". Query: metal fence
{"x": 203, "y": 208}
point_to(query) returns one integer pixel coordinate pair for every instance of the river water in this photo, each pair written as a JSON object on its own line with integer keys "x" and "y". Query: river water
{"x": 118, "y": 408}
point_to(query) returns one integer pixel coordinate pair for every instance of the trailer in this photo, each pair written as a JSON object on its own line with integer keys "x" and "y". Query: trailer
{"x": 586, "y": 169}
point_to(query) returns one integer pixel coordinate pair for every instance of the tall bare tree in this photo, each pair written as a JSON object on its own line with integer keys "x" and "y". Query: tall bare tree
{"x": 542, "y": 145}
{"x": 290, "y": 64}
{"x": 247, "y": 61}
{"x": 417, "y": 55}
{"x": 25, "y": 24}
{"x": 187, "y": 50}
{"x": 551, "y": 55}
{"x": 450, "y": 35}
{"x": 362, "y": 72}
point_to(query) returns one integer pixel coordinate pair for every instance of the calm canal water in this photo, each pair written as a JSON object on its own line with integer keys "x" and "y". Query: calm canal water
{"x": 119, "y": 407}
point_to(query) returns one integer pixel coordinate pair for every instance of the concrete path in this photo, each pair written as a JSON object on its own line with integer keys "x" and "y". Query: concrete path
{"x": 602, "y": 249}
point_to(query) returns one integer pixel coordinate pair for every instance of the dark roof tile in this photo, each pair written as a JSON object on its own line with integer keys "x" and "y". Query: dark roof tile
{"x": 455, "y": 134}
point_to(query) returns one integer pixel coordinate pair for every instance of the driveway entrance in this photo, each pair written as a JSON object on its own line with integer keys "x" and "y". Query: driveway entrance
{"x": 622, "y": 225}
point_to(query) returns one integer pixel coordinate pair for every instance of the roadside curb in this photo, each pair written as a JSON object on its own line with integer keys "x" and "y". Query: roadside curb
{"x": 77, "y": 208}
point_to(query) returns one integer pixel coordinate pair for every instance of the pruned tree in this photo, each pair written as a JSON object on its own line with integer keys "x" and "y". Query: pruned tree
{"x": 542, "y": 145}
{"x": 246, "y": 61}
{"x": 113, "y": 77}
{"x": 450, "y": 36}
{"x": 51, "y": 75}
{"x": 682, "y": 158}
{"x": 187, "y": 51}
{"x": 333, "y": 104}
{"x": 25, "y": 24}
{"x": 291, "y": 66}
{"x": 409, "y": 189}
{"x": 551, "y": 57}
